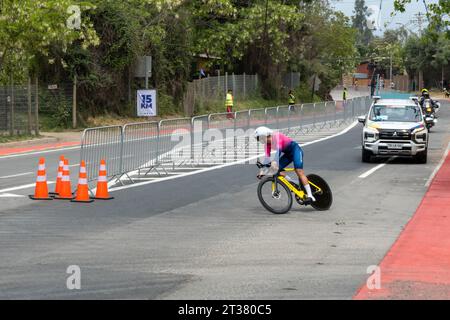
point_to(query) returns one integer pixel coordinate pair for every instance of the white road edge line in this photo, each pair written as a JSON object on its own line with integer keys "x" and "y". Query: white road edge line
{"x": 11, "y": 195}
{"x": 17, "y": 175}
{"x": 25, "y": 186}
{"x": 38, "y": 152}
{"x": 435, "y": 171}
{"x": 227, "y": 164}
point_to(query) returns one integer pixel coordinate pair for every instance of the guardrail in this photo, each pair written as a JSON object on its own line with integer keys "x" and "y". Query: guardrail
{"x": 144, "y": 146}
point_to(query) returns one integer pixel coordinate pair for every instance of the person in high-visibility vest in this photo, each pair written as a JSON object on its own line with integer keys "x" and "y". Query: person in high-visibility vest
{"x": 291, "y": 99}
{"x": 229, "y": 102}
{"x": 345, "y": 94}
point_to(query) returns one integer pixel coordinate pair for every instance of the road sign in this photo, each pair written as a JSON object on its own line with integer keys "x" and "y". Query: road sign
{"x": 144, "y": 69}
{"x": 146, "y": 103}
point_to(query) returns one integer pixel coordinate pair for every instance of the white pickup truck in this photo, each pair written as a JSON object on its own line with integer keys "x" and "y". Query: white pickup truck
{"x": 394, "y": 127}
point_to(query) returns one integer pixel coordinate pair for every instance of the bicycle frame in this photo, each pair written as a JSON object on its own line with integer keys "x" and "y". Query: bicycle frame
{"x": 300, "y": 193}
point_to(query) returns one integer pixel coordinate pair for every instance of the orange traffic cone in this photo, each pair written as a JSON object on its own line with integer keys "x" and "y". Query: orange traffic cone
{"x": 82, "y": 189}
{"x": 102, "y": 183}
{"x": 59, "y": 176}
{"x": 41, "y": 189}
{"x": 65, "y": 192}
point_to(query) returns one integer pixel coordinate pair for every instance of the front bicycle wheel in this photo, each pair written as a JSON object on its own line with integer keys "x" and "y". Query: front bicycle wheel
{"x": 276, "y": 202}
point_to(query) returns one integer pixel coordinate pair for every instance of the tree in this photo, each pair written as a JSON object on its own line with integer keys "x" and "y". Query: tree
{"x": 329, "y": 48}
{"x": 269, "y": 37}
{"x": 359, "y": 21}
{"x": 127, "y": 30}
{"x": 439, "y": 13}
{"x": 259, "y": 33}
{"x": 389, "y": 49}
{"x": 429, "y": 53}
{"x": 29, "y": 28}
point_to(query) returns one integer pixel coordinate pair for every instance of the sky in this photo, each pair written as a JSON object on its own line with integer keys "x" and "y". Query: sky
{"x": 387, "y": 6}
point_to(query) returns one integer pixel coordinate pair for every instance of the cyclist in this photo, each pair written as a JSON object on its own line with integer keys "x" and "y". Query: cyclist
{"x": 291, "y": 152}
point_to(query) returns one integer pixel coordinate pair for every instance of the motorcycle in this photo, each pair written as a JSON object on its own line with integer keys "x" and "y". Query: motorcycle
{"x": 429, "y": 112}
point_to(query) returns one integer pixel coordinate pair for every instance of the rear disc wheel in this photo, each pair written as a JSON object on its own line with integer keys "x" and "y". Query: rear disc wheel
{"x": 324, "y": 199}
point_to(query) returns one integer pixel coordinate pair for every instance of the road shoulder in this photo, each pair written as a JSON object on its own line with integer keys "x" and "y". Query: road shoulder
{"x": 417, "y": 265}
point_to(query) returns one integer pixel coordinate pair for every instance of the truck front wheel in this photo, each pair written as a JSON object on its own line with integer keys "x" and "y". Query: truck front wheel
{"x": 422, "y": 156}
{"x": 366, "y": 155}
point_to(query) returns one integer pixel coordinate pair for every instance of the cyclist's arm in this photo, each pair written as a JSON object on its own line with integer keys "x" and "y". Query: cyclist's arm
{"x": 268, "y": 151}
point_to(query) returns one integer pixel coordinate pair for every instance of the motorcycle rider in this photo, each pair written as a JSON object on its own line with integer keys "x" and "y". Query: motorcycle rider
{"x": 426, "y": 96}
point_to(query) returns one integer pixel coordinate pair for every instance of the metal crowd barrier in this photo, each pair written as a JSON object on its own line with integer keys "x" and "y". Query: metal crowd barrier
{"x": 140, "y": 146}
{"x": 144, "y": 146}
{"x": 174, "y": 140}
{"x": 102, "y": 143}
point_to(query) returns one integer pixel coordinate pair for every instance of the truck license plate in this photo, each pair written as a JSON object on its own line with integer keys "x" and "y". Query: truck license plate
{"x": 395, "y": 146}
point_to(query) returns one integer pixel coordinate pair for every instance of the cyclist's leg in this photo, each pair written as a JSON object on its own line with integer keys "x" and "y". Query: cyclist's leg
{"x": 284, "y": 161}
{"x": 297, "y": 154}
{"x": 297, "y": 158}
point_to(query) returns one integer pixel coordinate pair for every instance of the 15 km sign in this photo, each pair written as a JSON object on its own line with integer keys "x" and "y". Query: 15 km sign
{"x": 146, "y": 103}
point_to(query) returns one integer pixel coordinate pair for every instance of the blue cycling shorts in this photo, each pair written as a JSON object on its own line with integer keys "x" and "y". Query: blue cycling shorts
{"x": 292, "y": 153}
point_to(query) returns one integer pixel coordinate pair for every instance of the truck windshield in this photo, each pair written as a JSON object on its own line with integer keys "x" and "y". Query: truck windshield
{"x": 396, "y": 113}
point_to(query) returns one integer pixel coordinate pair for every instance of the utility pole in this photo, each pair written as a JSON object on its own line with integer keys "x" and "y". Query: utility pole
{"x": 419, "y": 21}
{"x": 313, "y": 87}
{"x": 390, "y": 69}
{"x": 74, "y": 102}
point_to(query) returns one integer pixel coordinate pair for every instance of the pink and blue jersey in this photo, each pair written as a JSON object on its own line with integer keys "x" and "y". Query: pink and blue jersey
{"x": 291, "y": 150}
{"x": 279, "y": 143}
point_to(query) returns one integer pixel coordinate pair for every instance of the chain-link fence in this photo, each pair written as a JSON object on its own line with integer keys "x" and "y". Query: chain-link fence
{"x": 214, "y": 88}
{"x": 202, "y": 91}
{"x": 18, "y": 109}
{"x": 24, "y": 108}
{"x": 56, "y": 104}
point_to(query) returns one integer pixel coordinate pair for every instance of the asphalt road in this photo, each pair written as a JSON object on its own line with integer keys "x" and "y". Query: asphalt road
{"x": 206, "y": 235}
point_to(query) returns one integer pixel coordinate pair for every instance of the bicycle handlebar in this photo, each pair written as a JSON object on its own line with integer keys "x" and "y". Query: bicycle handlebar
{"x": 260, "y": 165}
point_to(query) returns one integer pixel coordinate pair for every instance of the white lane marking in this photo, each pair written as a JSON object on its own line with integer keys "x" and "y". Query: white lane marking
{"x": 74, "y": 165}
{"x": 435, "y": 171}
{"x": 11, "y": 195}
{"x": 226, "y": 164}
{"x": 369, "y": 172}
{"x": 25, "y": 186}
{"x": 37, "y": 152}
{"x": 17, "y": 175}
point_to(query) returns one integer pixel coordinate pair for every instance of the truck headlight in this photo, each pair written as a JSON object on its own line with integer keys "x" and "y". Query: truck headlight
{"x": 370, "y": 135}
{"x": 420, "y": 136}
